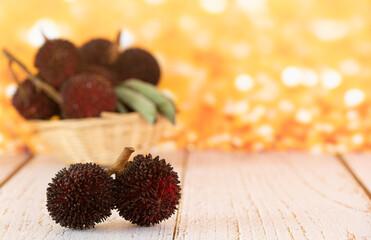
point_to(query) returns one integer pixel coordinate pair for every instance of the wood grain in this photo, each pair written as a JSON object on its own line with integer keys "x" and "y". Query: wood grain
{"x": 24, "y": 216}
{"x": 9, "y": 164}
{"x": 360, "y": 165}
{"x": 225, "y": 196}
{"x": 271, "y": 196}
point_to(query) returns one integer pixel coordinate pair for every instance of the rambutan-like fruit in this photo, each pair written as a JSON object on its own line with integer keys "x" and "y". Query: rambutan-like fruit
{"x": 105, "y": 72}
{"x": 80, "y": 196}
{"x": 32, "y": 103}
{"x": 99, "y": 51}
{"x": 137, "y": 63}
{"x": 87, "y": 95}
{"x": 148, "y": 190}
{"x": 57, "y": 60}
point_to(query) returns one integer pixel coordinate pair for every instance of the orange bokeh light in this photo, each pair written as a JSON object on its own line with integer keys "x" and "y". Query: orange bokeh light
{"x": 245, "y": 75}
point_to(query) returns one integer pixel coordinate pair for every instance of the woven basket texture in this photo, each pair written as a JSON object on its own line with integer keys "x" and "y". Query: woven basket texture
{"x": 100, "y": 140}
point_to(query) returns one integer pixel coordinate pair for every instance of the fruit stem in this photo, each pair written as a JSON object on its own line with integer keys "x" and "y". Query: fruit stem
{"x": 44, "y": 36}
{"x": 119, "y": 165}
{"x": 46, "y": 88}
{"x": 118, "y": 39}
{"x": 20, "y": 87}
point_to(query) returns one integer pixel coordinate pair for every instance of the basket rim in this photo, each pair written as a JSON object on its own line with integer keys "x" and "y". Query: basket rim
{"x": 106, "y": 118}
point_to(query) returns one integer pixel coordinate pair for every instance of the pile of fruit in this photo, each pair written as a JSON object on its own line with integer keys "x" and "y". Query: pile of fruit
{"x": 83, "y": 82}
{"x": 145, "y": 191}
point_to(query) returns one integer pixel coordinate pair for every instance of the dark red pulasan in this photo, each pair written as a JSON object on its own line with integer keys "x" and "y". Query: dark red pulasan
{"x": 80, "y": 196}
{"x": 137, "y": 63}
{"x": 87, "y": 95}
{"x": 99, "y": 51}
{"x": 57, "y": 60}
{"x": 32, "y": 103}
{"x": 104, "y": 72}
{"x": 148, "y": 191}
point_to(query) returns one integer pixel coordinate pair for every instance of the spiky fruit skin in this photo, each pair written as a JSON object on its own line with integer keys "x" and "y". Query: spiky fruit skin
{"x": 137, "y": 63}
{"x": 57, "y": 60}
{"x": 80, "y": 196}
{"x": 99, "y": 51}
{"x": 105, "y": 72}
{"x": 148, "y": 191}
{"x": 87, "y": 95}
{"x": 32, "y": 103}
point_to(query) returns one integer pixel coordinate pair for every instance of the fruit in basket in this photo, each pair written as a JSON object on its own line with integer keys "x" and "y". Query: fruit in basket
{"x": 137, "y": 63}
{"x": 94, "y": 78}
{"x": 80, "y": 196}
{"x": 87, "y": 95}
{"x": 148, "y": 190}
{"x": 32, "y": 103}
{"x": 99, "y": 51}
{"x": 57, "y": 60}
{"x": 103, "y": 71}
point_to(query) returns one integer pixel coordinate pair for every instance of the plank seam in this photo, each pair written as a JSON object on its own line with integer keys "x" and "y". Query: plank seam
{"x": 17, "y": 169}
{"x": 182, "y": 177}
{"x": 317, "y": 191}
{"x": 354, "y": 175}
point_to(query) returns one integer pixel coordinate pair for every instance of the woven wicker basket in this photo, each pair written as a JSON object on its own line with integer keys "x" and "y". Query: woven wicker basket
{"x": 100, "y": 140}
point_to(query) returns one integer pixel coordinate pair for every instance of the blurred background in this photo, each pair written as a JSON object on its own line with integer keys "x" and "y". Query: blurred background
{"x": 250, "y": 75}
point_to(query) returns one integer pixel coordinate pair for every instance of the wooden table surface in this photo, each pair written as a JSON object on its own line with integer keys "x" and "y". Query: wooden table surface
{"x": 224, "y": 196}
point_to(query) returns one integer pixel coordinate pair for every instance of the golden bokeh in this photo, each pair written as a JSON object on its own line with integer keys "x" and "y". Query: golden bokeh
{"x": 245, "y": 74}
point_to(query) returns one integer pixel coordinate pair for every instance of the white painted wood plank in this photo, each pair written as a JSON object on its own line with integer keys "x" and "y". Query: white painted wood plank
{"x": 360, "y": 164}
{"x": 271, "y": 196}
{"x": 9, "y": 164}
{"x": 24, "y": 216}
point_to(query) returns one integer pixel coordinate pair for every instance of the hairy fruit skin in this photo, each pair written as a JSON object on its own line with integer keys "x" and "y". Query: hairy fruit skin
{"x": 87, "y": 95}
{"x": 32, "y": 103}
{"x": 137, "y": 63}
{"x": 148, "y": 191}
{"x": 57, "y": 60}
{"x": 80, "y": 196}
{"x": 99, "y": 51}
{"x": 105, "y": 72}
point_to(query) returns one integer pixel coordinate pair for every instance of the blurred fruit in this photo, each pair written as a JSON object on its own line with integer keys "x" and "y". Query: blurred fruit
{"x": 87, "y": 95}
{"x": 99, "y": 51}
{"x": 137, "y": 63}
{"x": 57, "y": 60}
{"x": 86, "y": 77}
{"x": 32, "y": 103}
{"x": 103, "y": 71}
